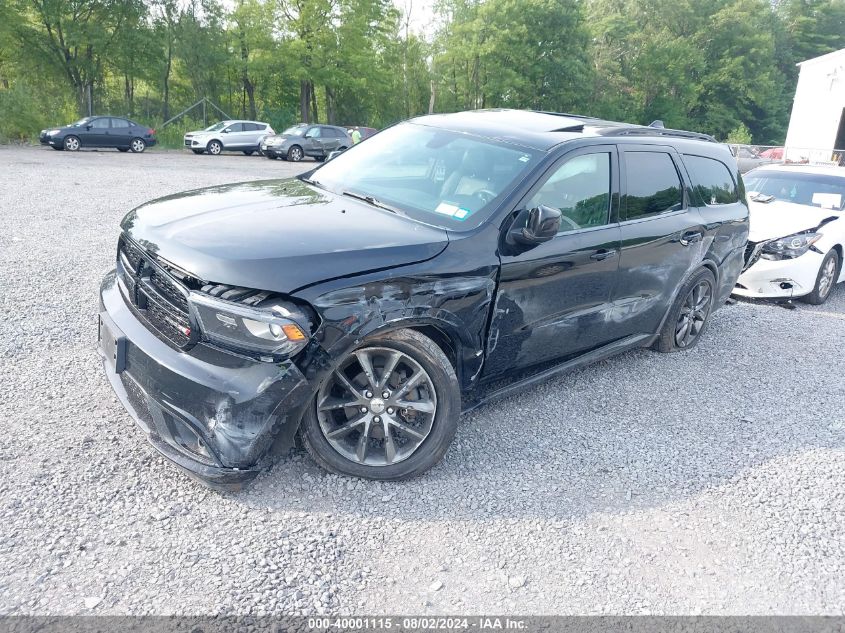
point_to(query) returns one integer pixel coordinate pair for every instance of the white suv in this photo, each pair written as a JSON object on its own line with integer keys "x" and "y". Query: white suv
{"x": 232, "y": 136}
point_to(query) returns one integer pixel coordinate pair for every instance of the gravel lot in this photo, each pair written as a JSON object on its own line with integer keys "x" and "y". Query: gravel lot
{"x": 706, "y": 482}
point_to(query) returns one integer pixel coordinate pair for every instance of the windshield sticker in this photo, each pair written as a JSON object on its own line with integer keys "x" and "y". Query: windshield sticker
{"x": 445, "y": 208}
{"x": 524, "y": 158}
{"x": 828, "y": 200}
{"x": 462, "y": 214}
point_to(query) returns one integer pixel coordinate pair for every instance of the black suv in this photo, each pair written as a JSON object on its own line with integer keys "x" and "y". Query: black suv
{"x": 100, "y": 131}
{"x": 449, "y": 260}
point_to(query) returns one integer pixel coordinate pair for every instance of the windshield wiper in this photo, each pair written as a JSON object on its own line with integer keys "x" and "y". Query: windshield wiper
{"x": 310, "y": 181}
{"x": 373, "y": 201}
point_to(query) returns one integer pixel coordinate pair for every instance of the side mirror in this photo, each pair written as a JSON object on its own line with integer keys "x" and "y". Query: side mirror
{"x": 334, "y": 154}
{"x": 227, "y": 130}
{"x": 88, "y": 127}
{"x": 534, "y": 226}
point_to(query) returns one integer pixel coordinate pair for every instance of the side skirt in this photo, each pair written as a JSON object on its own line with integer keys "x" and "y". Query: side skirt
{"x": 612, "y": 349}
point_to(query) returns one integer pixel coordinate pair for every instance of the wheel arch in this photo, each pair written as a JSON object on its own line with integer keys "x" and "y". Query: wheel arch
{"x": 704, "y": 264}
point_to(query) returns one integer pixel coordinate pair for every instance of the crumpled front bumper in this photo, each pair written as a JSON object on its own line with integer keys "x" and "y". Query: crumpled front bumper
{"x": 215, "y": 415}
{"x": 780, "y": 279}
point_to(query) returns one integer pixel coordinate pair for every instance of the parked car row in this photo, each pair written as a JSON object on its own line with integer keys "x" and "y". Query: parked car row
{"x": 249, "y": 137}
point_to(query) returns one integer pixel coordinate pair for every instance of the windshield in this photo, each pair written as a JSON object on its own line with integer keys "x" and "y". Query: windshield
{"x": 80, "y": 122}
{"x": 216, "y": 126}
{"x": 449, "y": 179}
{"x": 296, "y": 130}
{"x": 817, "y": 190}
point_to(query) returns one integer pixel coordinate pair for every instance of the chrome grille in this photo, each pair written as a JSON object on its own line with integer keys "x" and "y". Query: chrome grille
{"x": 160, "y": 300}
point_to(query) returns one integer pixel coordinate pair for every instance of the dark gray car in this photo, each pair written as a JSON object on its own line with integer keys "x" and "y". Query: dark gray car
{"x": 299, "y": 141}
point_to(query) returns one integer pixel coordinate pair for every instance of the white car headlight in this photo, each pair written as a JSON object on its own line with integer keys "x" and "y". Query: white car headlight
{"x": 789, "y": 247}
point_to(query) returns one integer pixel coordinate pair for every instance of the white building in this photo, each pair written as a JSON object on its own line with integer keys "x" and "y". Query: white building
{"x": 817, "y": 124}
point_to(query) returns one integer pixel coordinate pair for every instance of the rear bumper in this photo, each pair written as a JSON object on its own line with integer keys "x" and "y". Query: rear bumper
{"x": 150, "y": 142}
{"x": 780, "y": 279}
{"x": 213, "y": 414}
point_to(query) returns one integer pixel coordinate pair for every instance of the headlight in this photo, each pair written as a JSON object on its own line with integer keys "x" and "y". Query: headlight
{"x": 790, "y": 247}
{"x": 270, "y": 332}
{"x": 51, "y": 132}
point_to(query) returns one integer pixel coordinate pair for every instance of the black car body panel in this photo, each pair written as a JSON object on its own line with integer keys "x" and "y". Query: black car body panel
{"x": 504, "y": 316}
{"x": 99, "y": 132}
{"x": 278, "y": 235}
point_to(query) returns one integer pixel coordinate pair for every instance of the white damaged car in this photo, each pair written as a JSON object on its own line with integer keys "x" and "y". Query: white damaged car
{"x": 797, "y": 235}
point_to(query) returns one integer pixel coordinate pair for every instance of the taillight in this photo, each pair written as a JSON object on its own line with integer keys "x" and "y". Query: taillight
{"x": 151, "y": 132}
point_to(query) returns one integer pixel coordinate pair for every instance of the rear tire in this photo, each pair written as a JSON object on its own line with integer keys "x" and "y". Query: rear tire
{"x": 689, "y": 315}
{"x": 249, "y": 152}
{"x": 385, "y": 437}
{"x": 138, "y": 145}
{"x": 825, "y": 280}
{"x": 71, "y": 143}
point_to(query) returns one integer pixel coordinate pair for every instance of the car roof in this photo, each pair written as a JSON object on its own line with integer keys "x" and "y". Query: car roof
{"x": 804, "y": 168}
{"x": 242, "y": 121}
{"x": 545, "y": 130}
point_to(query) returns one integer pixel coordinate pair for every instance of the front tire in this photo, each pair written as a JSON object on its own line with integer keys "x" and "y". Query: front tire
{"x": 295, "y": 154}
{"x": 71, "y": 143}
{"x": 198, "y": 151}
{"x": 214, "y": 148}
{"x": 389, "y": 410}
{"x": 825, "y": 280}
{"x": 689, "y": 315}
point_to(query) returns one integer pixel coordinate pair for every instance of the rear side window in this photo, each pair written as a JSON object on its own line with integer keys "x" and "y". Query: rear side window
{"x": 119, "y": 123}
{"x": 653, "y": 184}
{"x": 252, "y": 127}
{"x": 712, "y": 180}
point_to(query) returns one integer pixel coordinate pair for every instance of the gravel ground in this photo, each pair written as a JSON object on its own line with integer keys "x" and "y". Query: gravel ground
{"x": 706, "y": 482}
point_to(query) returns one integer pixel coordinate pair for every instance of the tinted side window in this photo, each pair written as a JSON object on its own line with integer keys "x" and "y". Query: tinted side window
{"x": 120, "y": 123}
{"x": 652, "y": 184}
{"x": 100, "y": 123}
{"x": 712, "y": 180}
{"x": 250, "y": 127}
{"x": 328, "y": 132}
{"x": 236, "y": 127}
{"x": 580, "y": 188}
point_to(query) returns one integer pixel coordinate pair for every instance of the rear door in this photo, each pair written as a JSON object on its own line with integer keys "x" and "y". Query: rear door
{"x": 329, "y": 139}
{"x": 252, "y": 134}
{"x": 662, "y": 236}
{"x": 554, "y": 300}
{"x": 120, "y": 132}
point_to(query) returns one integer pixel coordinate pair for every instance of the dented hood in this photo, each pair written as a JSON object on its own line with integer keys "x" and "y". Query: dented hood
{"x": 278, "y": 235}
{"x": 771, "y": 220}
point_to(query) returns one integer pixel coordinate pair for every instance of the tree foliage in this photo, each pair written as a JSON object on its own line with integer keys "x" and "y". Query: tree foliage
{"x": 713, "y": 65}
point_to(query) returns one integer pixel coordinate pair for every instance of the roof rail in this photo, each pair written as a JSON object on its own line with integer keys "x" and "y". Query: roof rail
{"x": 615, "y": 128}
{"x": 639, "y": 130}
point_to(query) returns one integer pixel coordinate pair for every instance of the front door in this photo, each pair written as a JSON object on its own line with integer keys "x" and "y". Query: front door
{"x": 233, "y": 137}
{"x": 662, "y": 236}
{"x": 554, "y": 300}
{"x": 96, "y": 133}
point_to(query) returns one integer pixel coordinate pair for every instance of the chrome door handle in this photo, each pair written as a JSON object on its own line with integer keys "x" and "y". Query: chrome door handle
{"x": 691, "y": 237}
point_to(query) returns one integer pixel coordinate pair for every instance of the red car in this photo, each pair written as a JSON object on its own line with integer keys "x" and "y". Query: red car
{"x": 775, "y": 153}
